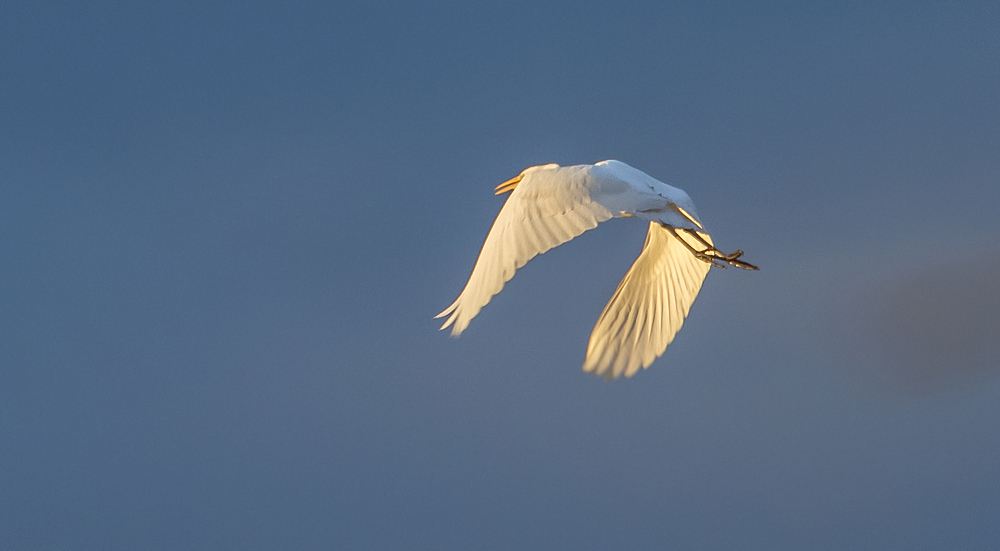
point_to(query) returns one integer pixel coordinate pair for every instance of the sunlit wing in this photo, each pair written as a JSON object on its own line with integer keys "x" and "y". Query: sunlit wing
{"x": 649, "y": 306}
{"x": 545, "y": 209}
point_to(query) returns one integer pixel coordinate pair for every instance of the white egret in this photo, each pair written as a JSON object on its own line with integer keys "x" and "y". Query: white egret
{"x": 551, "y": 204}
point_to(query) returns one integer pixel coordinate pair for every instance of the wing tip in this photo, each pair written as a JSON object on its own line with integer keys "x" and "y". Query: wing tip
{"x": 451, "y": 308}
{"x": 451, "y": 319}
{"x": 599, "y": 369}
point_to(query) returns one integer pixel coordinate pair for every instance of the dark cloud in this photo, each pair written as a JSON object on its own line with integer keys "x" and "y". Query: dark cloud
{"x": 934, "y": 327}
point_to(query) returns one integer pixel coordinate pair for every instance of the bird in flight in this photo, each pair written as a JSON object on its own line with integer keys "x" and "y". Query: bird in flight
{"x": 551, "y": 204}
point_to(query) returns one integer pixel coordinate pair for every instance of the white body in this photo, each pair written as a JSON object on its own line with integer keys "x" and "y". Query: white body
{"x": 550, "y": 205}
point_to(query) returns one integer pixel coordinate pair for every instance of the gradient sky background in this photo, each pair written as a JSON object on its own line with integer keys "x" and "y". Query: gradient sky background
{"x": 224, "y": 231}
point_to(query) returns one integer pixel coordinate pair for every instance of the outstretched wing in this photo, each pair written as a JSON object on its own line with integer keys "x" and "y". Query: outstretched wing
{"x": 550, "y": 205}
{"x": 649, "y": 306}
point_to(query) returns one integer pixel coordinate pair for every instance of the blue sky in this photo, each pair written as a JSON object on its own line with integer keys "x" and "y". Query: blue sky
{"x": 224, "y": 231}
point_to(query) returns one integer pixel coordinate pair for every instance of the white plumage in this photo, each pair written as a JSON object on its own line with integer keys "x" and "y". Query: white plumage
{"x": 550, "y": 205}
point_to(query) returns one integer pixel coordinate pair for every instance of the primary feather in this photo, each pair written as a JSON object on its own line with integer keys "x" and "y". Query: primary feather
{"x": 648, "y": 308}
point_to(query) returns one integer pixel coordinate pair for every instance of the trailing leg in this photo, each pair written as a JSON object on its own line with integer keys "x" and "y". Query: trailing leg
{"x": 709, "y": 254}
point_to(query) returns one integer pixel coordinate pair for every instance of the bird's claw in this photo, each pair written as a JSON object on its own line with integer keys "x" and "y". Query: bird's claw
{"x": 744, "y": 265}
{"x": 706, "y": 256}
{"x": 710, "y": 254}
{"x": 715, "y": 257}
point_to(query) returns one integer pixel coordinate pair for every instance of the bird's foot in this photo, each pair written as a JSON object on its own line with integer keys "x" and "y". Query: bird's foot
{"x": 715, "y": 257}
{"x": 706, "y": 256}
{"x": 744, "y": 265}
{"x": 710, "y": 254}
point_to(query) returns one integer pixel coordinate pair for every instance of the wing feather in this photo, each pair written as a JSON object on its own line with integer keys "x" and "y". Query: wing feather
{"x": 550, "y": 206}
{"x": 648, "y": 307}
